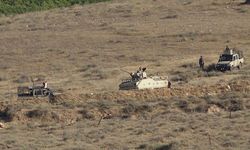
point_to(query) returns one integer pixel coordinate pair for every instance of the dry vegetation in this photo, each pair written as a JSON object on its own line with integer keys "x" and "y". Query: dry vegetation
{"x": 79, "y": 50}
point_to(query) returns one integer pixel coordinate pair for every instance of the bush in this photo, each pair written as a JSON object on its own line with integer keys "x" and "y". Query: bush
{"x": 37, "y": 113}
{"x": 8, "y": 114}
{"x": 210, "y": 68}
{"x": 86, "y": 114}
{"x": 135, "y": 109}
{"x": 20, "y": 6}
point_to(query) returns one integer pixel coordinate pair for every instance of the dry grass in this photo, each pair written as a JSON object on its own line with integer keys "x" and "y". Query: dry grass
{"x": 80, "y": 51}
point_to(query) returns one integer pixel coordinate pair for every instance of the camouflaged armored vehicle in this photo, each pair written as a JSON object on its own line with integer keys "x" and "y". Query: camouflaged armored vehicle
{"x": 139, "y": 82}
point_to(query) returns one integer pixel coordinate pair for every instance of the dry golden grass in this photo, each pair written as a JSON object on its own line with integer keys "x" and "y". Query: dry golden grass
{"x": 80, "y": 50}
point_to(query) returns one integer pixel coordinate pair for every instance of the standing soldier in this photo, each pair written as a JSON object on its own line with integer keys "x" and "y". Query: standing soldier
{"x": 45, "y": 85}
{"x": 139, "y": 72}
{"x": 227, "y": 48}
{"x": 144, "y": 74}
{"x": 201, "y": 63}
{"x": 169, "y": 84}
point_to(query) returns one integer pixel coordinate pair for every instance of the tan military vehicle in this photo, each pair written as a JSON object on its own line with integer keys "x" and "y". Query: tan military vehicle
{"x": 143, "y": 82}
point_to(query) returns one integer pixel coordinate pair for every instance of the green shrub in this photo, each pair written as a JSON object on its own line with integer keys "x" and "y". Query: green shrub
{"x": 21, "y": 6}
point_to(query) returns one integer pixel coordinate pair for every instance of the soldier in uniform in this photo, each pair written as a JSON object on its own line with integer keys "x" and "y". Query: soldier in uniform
{"x": 169, "y": 84}
{"x": 201, "y": 63}
{"x": 45, "y": 85}
{"x": 144, "y": 74}
{"x": 227, "y": 48}
{"x": 139, "y": 73}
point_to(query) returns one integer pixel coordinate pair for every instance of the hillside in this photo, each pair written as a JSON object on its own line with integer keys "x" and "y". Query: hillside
{"x": 80, "y": 50}
{"x": 8, "y": 7}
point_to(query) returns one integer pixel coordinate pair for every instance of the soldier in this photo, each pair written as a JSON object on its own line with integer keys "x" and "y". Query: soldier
{"x": 227, "y": 48}
{"x": 144, "y": 74}
{"x": 45, "y": 85}
{"x": 169, "y": 84}
{"x": 201, "y": 63}
{"x": 132, "y": 75}
{"x": 139, "y": 72}
{"x": 138, "y": 75}
{"x": 140, "y": 68}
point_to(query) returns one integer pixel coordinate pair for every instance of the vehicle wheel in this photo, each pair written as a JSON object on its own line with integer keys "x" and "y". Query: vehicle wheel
{"x": 46, "y": 92}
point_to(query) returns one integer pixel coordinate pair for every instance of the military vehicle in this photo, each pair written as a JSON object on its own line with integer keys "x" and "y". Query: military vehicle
{"x": 230, "y": 59}
{"x": 34, "y": 91}
{"x": 139, "y": 83}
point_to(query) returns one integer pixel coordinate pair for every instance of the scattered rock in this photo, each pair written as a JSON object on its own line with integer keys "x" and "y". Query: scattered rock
{"x": 2, "y": 125}
{"x": 213, "y": 109}
{"x": 228, "y": 88}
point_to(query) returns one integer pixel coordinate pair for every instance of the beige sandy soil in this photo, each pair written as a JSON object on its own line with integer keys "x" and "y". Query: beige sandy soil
{"x": 82, "y": 49}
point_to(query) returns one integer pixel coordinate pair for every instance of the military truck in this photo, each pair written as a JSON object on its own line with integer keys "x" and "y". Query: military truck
{"x": 230, "y": 59}
{"x": 34, "y": 91}
{"x": 139, "y": 83}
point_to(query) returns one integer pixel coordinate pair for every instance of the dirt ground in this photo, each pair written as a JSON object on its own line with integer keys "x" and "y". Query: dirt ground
{"x": 81, "y": 50}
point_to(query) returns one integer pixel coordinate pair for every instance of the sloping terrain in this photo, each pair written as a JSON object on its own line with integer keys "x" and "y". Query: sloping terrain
{"x": 81, "y": 50}
{"x": 22, "y": 6}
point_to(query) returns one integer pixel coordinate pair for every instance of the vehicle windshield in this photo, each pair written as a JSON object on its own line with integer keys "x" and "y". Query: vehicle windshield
{"x": 226, "y": 58}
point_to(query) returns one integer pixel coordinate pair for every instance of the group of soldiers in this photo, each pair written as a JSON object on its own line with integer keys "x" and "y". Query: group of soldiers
{"x": 139, "y": 74}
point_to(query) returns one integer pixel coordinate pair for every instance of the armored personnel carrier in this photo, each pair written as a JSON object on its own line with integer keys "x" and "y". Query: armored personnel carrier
{"x": 142, "y": 82}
